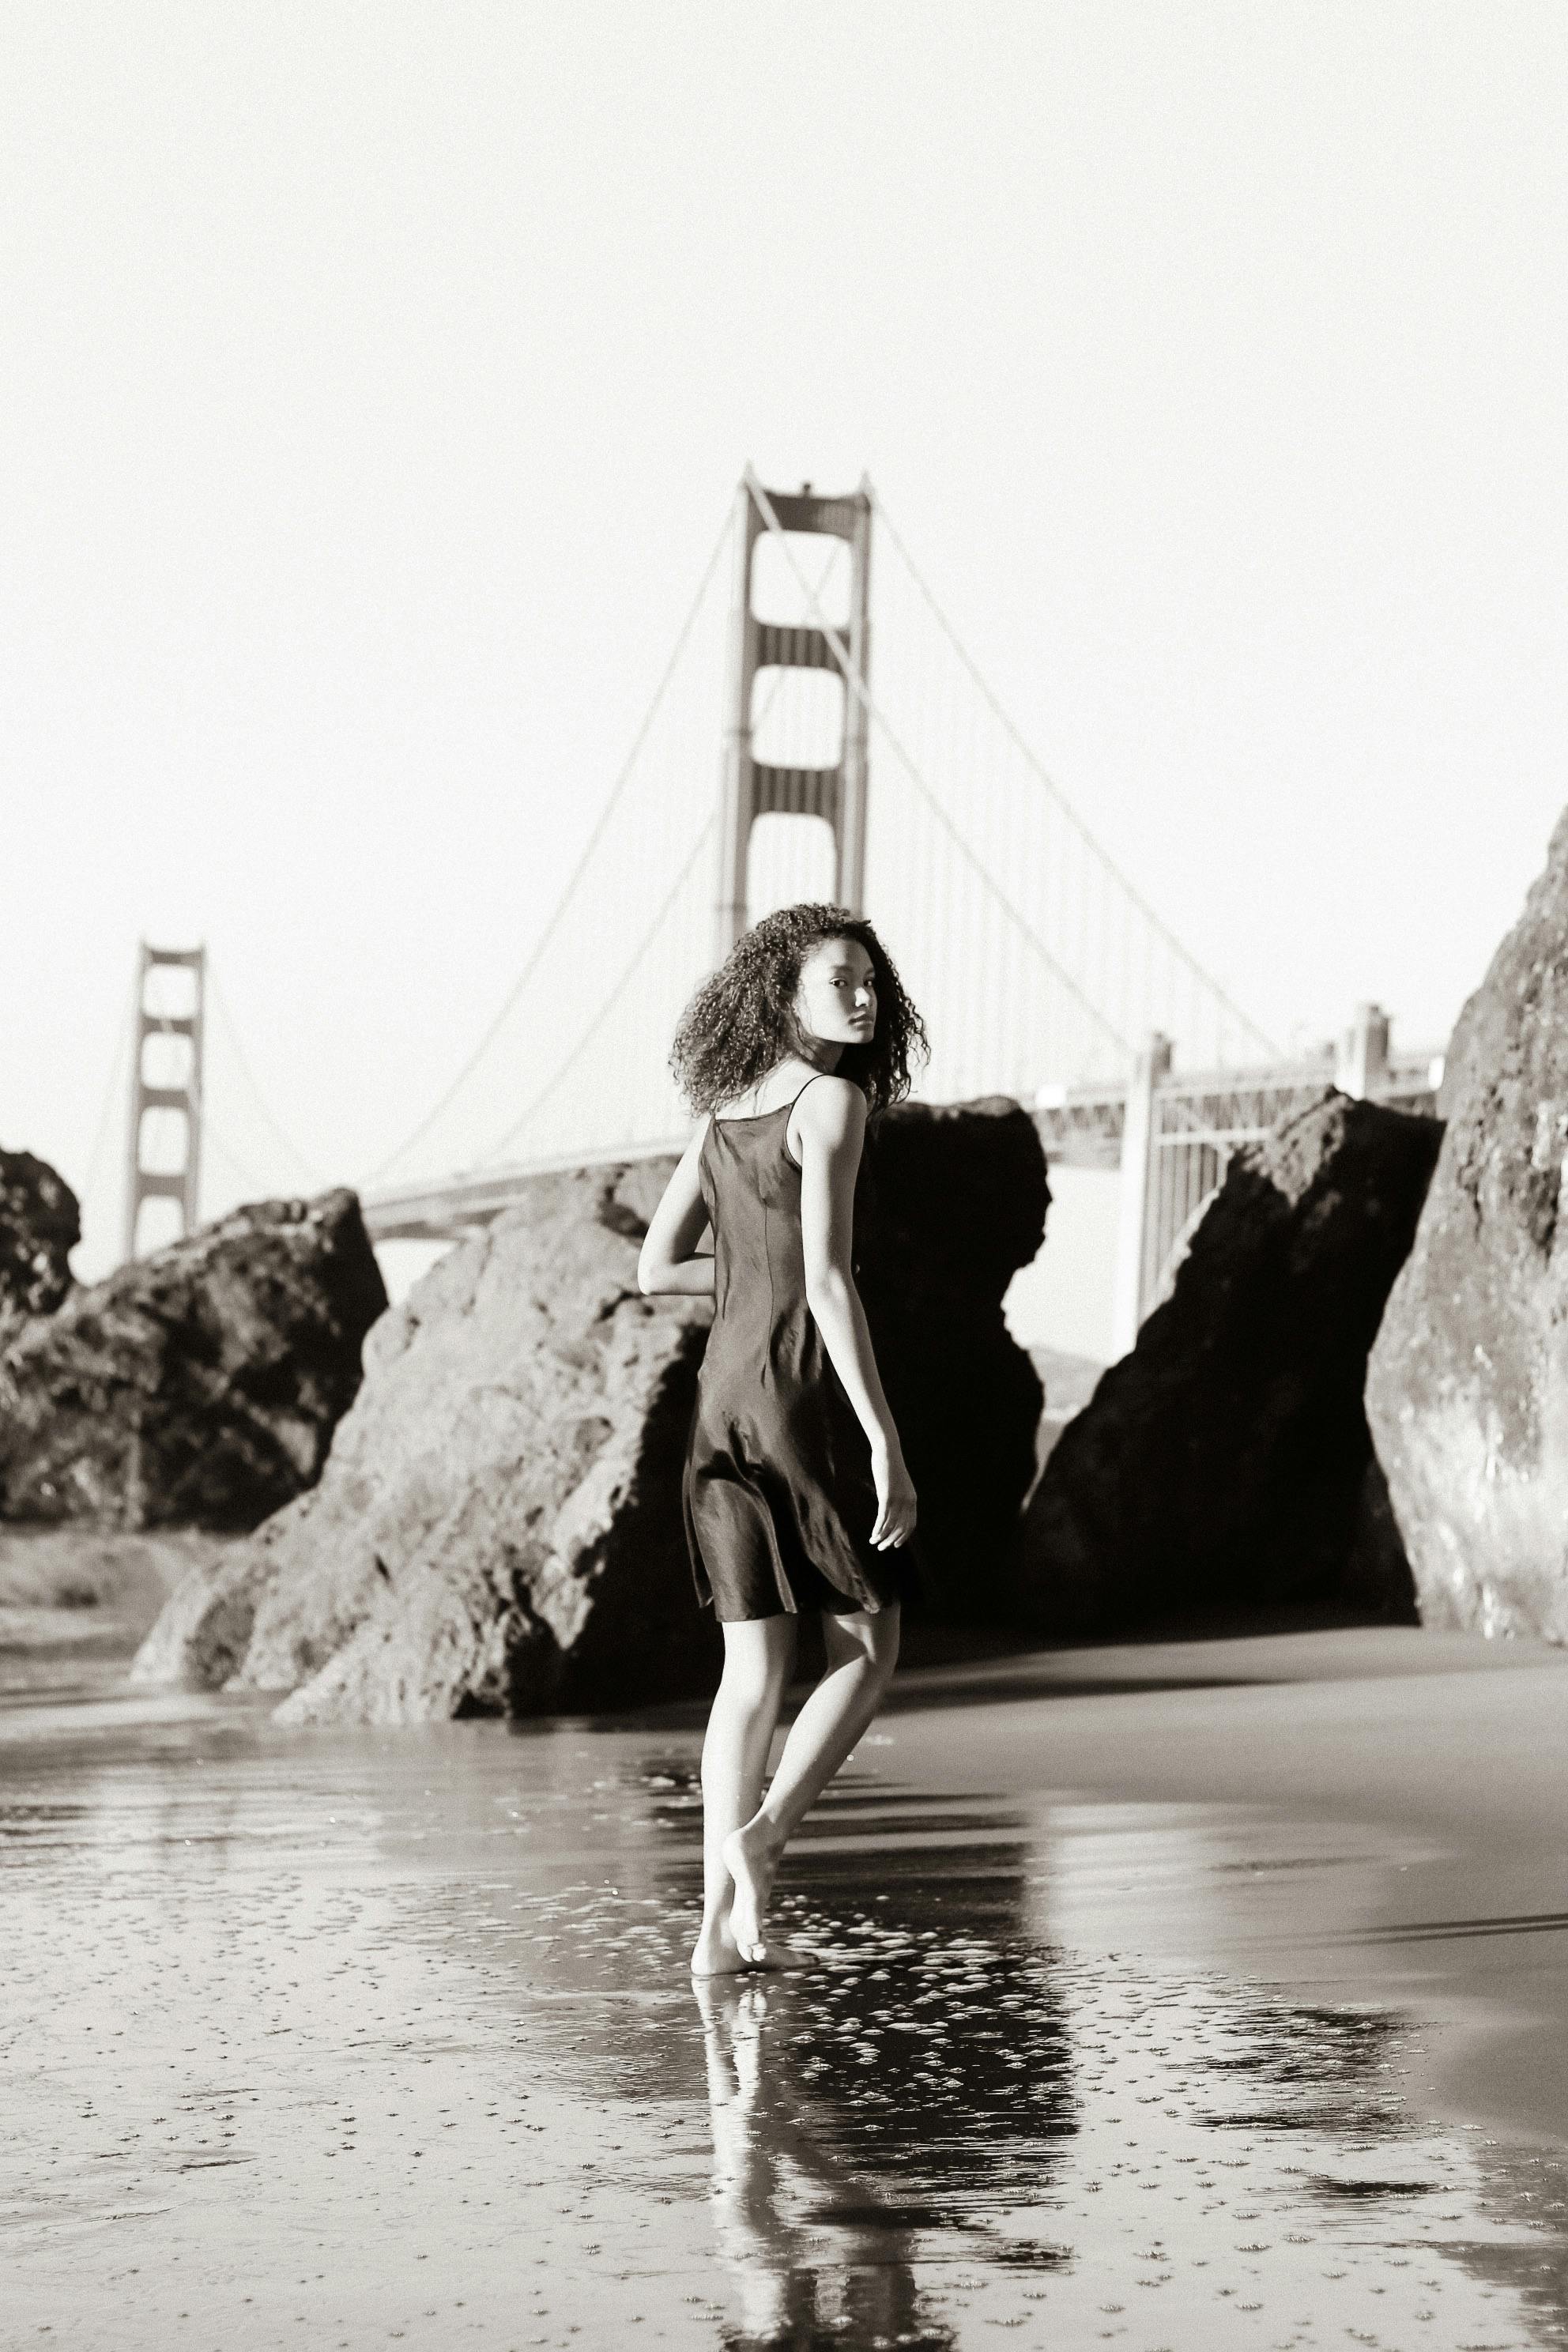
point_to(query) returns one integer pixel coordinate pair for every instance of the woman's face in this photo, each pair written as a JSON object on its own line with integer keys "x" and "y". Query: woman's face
{"x": 837, "y": 998}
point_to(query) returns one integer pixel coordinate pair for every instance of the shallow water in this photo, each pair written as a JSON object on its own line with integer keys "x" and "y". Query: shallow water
{"x": 359, "y": 2040}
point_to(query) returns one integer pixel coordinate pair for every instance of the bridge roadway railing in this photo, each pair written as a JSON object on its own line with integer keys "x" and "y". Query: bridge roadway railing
{"x": 1173, "y": 1137}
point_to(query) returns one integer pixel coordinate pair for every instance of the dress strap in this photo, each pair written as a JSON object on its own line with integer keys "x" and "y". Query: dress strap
{"x": 793, "y": 1100}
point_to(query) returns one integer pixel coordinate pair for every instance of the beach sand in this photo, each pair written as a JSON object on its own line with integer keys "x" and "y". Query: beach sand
{"x": 1197, "y": 1994}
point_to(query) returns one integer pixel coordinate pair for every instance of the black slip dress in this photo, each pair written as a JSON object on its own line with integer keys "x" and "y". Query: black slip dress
{"x": 778, "y": 1494}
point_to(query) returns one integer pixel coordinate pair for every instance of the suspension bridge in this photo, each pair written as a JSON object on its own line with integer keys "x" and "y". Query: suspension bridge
{"x": 862, "y": 757}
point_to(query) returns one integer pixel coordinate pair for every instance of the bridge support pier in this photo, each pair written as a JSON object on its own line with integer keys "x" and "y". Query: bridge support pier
{"x": 1153, "y": 1064}
{"x": 752, "y": 788}
{"x": 178, "y": 1089}
{"x": 1363, "y": 1056}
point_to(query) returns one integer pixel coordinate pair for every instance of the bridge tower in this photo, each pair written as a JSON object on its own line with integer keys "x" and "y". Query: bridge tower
{"x": 173, "y": 1082}
{"x": 752, "y": 788}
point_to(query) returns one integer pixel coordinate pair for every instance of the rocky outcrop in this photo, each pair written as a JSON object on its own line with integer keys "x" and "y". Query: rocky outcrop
{"x": 1377, "y": 1583}
{"x": 959, "y": 1198}
{"x": 1467, "y": 1389}
{"x": 201, "y": 1634}
{"x": 196, "y": 1388}
{"x": 40, "y": 1225}
{"x": 499, "y": 1527}
{"x": 1222, "y": 1466}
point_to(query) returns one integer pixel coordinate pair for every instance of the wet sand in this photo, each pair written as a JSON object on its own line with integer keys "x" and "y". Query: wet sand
{"x": 1192, "y": 1995}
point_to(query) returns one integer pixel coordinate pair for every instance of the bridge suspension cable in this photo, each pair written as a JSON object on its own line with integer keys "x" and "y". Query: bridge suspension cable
{"x": 112, "y": 1106}
{"x": 1038, "y": 959}
{"x": 302, "y": 1161}
{"x": 1264, "y": 1044}
{"x": 856, "y": 684}
{"x": 569, "y": 1061}
{"x": 1007, "y": 1021}
{"x": 1035, "y": 957}
{"x": 574, "y": 881}
{"x": 623, "y": 1091}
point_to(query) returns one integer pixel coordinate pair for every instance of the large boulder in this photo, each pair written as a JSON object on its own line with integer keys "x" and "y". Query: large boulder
{"x": 958, "y": 1201}
{"x": 1222, "y": 1466}
{"x": 499, "y": 1527}
{"x": 196, "y": 1388}
{"x": 40, "y": 1225}
{"x": 1467, "y": 1389}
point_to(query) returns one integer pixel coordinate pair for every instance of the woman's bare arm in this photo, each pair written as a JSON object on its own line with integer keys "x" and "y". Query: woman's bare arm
{"x": 669, "y": 1259}
{"x": 831, "y": 1123}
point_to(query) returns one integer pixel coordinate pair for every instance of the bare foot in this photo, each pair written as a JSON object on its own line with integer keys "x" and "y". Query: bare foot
{"x": 751, "y": 1857}
{"x": 716, "y": 1952}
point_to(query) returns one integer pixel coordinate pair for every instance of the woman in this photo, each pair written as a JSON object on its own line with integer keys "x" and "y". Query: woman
{"x": 796, "y": 1494}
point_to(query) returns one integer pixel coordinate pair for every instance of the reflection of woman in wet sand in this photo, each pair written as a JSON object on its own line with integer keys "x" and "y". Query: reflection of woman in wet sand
{"x": 796, "y": 1494}
{"x": 765, "y": 2162}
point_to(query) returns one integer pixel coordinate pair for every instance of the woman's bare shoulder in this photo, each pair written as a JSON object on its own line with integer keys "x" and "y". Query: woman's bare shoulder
{"x": 830, "y": 1108}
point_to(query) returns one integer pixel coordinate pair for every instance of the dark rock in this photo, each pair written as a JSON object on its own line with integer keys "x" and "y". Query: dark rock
{"x": 1377, "y": 1582}
{"x": 1068, "y": 1381}
{"x": 959, "y": 1198}
{"x": 199, "y": 1387}
{"x": 1220, "y": 1467}
{"x": 40, "y": 1225}
{"x": 1467, "y": 1389}
{"x": 499, "y": 1527}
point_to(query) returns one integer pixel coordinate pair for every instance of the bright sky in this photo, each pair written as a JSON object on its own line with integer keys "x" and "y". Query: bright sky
{"x": 376, "y": 378}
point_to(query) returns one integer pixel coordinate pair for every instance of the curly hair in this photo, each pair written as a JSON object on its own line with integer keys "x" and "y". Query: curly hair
{"x": 741, "y": 1021}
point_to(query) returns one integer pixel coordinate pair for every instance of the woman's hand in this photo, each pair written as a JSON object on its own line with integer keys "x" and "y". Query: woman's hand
{"x": 895, "y": 1500}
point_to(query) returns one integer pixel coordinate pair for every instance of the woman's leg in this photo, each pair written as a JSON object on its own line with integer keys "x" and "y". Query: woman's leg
{"x": 862, "y": 1651}
{"x": 759, "y": 1658}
